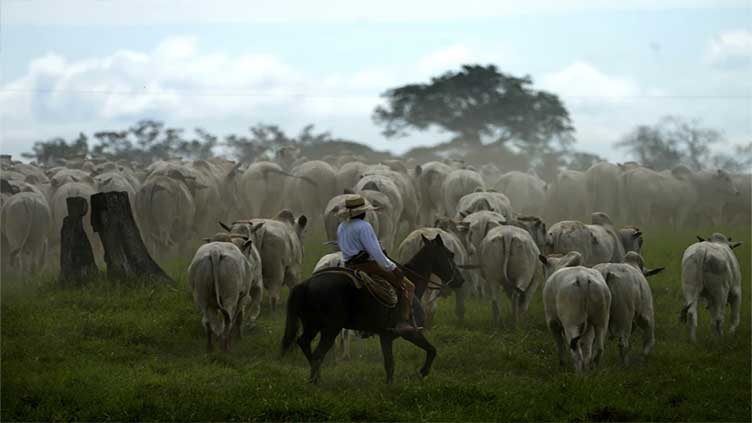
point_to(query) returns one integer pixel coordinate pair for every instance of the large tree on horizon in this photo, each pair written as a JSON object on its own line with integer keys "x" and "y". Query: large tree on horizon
{"x": 477, "y": 104}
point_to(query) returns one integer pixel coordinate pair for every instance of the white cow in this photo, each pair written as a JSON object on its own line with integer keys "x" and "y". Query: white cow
{"x": 25, "y": 218}
{"x": 280, "y": 244}
{"x": 598, "y": 242}
{"x": 576, "y": 302}
{"x": 509, "y": 260}
{"x": 430, "y": 182}
{"x": 484, "y": 200}
{"x": 457, "y": 184}
{"x": 566, "y": 198}
{"x": 306, "y": 198}
{"x": 631, "y": 301}
{"x": 412, "y": 244}
{"x": 527, "y": 192}
{"x": 223, "y": 281}
{"x": 710, "y": 271}
{"x": 603, "y": 182}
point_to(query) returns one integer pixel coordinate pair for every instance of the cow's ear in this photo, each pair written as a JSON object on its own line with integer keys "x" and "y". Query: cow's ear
{"x": 302, "y": 221}
{"x": 543, "y": 259}
{"x": 207, "y": 240}
{"x": 701, "y": 239}
{"x": 651, "y": 272}
{"x": 735, "y": 244}
{"x": 256, "y": 227}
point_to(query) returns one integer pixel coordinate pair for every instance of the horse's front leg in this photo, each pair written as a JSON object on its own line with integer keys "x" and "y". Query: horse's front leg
{"x": 386, "y": 351}
{"x": 420, "y": 341}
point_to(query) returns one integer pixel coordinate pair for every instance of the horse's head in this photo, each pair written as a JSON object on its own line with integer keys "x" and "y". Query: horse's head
{"x": 442, "y": 261}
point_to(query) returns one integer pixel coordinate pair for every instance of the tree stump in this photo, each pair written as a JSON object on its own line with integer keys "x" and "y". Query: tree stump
{"x": 76, "y": 256}
{"x": 124, "y": 250}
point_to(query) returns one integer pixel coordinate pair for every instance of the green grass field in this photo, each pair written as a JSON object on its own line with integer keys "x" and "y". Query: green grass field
{"x": 136, "y": 353}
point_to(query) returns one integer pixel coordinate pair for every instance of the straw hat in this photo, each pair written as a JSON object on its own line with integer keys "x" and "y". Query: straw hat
{"x": 354, "y": 206}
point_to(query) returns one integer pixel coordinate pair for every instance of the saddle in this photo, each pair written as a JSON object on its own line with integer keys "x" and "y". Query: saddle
{"x": 379, "y": 288}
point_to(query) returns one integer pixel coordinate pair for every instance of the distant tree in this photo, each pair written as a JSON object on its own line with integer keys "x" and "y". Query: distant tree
{"x": 672, "y": 141}
{"x": 579, "y": 160}
{"x": 199, "y": 148}
{"x": 479, "y": 103}
{"x": 740, "y": 161}
{"x": 47, "y": 152}
{"x": 652, "y": 147}
{"x": 693, "y": 140}
{"x": 145, "y": 141}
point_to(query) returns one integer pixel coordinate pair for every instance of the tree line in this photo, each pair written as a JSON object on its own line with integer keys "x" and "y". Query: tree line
{"x": 491, "y": 116}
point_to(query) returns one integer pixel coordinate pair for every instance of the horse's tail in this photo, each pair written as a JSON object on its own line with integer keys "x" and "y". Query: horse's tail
{"x": 294, "y": 304}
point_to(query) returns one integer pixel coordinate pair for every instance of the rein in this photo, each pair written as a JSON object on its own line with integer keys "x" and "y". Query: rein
{"x": 429, "y": 283}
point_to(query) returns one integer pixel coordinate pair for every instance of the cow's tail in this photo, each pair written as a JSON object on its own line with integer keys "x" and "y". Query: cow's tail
{"x": 290, "y": 175}
{"x": 586, "y": 309}
{"x": 506, "y": 245}
{"x": 215, "y": 257}
{"x": 695, "y": 273}
{"x": 29, "y": 213}
{"x": 294, "y": 306}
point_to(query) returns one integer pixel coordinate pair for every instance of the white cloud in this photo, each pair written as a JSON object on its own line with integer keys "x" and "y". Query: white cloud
{"x": 730, "y": 49}
{"x": 582, "y": 81}
{"x": 131, "y": 12}
{"x": 182, "y": 83}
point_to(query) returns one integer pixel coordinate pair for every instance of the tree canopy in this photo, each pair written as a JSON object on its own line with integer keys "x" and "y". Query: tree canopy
{"x": 479, "y": 103}
{"x": 674, "y": 140}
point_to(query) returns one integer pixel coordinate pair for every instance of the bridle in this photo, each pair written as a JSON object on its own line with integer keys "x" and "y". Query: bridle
{"x": 430, "y": 284}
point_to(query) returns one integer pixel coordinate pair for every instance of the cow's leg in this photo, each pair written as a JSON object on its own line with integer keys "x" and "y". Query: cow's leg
{"x": 495, "y": 294}
{"x": 386, "y": 351}
{"x": 417, "y": 338}
{"x": 558, "y": 332}
{"x": 574, "y": 337}
{"x": 717, "y": 304}
{"x": 238, "y": 327}
{"x": 209, "y": 346}
{"x": 623, "y": 331}
{"x": 599, "y": 343}
{"x": 586, "y": 345}
{"x": 273, "y": 279}
{"x": 346, "y": 340}
{"x": 328, "y": 335}
{"x": 459, "y": 303}
{"x": 735, "y": 301}
{"x": 648, "y": 332}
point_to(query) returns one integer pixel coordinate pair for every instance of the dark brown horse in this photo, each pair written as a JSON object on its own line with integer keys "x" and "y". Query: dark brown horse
{"x": 327, "y": 302}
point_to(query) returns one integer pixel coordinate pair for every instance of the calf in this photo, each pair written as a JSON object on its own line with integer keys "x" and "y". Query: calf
{"x": 631, "y": 301}
{"x": 509, "y": 260}
{"x": 711, "y": 270}
{"x": 576, "y": 301}
{"x": 224, "y": 281}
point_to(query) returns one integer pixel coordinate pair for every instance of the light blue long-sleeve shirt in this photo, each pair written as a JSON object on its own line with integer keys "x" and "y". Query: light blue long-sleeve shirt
{"x": 356, "y": 235}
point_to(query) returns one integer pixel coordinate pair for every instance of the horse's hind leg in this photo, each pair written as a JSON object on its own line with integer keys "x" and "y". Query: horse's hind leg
{"x": 420, "y": 341}
{"x": 386, "y": 351}
{"x": 328, "y": 335}
{"x": 304, "y": 342}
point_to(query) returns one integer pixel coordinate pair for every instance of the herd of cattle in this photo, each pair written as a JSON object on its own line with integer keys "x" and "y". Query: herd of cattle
{"x": 493, "y": 222}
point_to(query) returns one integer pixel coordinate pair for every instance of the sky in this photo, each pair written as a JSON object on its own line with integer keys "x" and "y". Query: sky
{"x": 68, "y": 66}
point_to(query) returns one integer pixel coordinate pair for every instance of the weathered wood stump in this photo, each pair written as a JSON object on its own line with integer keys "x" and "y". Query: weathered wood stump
{"x": 124, "y": 250}
{"x": 76, "y": 256}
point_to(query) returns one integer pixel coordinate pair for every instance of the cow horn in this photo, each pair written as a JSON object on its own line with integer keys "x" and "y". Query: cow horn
{"x": 225, "y": 227}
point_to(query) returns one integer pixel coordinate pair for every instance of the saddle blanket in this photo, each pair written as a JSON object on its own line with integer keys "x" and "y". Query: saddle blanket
{"x": 379, "y": 288}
